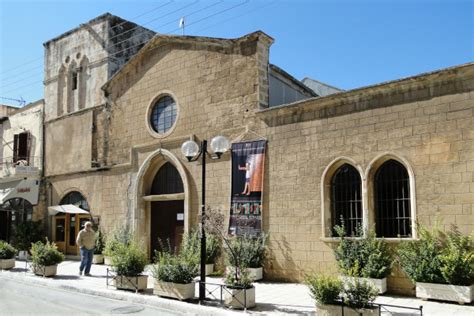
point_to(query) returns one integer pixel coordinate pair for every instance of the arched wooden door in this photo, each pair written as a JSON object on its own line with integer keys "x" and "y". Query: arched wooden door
{"x": 166, "y": 209}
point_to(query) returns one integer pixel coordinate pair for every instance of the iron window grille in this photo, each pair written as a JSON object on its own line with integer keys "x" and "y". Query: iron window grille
{"x": 346, "y": 200}
{"x": 392, "y": 200}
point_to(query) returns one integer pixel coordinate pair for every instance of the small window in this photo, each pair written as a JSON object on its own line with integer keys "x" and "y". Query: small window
{"x": 163, "y": 115}
{"x": 21, "y": 147}
{"x": 392, "y": 200}
{"x": 74, "y": 80}
{"x": 346, "y": 199}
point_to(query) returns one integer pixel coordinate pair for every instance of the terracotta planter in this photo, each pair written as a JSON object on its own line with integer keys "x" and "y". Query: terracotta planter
{"x": 209, "y": 268}
{"x": 134, "y": 283}
{"x": 98, "y": 259}
{"x": 238, "y": 298}
{"x": 6, "y": 264}
{"x": 45, "y": 271}
{"x": 379, "y": 284}
{"x": 174, "y": 290}
{"x": 336, "y": 310}
{"x": 254, "y": 273}
{"x": 445, "y": 292}
{"x": 107, "y": 260}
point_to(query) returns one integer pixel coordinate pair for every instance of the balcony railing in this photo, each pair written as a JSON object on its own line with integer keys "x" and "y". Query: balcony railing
{"x": 20, "y": 168}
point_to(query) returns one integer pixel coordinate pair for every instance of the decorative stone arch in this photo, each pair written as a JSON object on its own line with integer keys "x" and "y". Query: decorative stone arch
{"x": 326, "y": 216}
{"x": 140, "y": 216}
{"x": 71, "y": 91}
{"x": 369, "y": 175}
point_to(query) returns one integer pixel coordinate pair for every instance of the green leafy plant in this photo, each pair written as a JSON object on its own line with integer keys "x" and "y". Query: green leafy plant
{"x": 118, "y": 237}
{"x": 420, "y": 259}
{"x": 191, "y": 247}
{"x": 129, "y": 259}
{"x": 174, "y": 268}
{"x": 250, "y": 251}
{"x": 359, "y": 294}
{"x": 457, "y": 259}
{"x": 324, "y": 289}
{"x": 45, "y": 254}
{"x": 7, "y": 251}
{"x": 238, "y": 278}
{"x": 366, "y": 257}
{"x": 26, "y": 233}
{"x": 99, "y": 242}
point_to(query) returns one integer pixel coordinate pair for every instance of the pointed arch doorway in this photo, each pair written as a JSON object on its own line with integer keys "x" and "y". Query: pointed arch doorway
{"x": 166, "y": 198}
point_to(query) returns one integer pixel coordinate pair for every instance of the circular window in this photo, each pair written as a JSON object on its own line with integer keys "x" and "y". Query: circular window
{"x": 163, "y": 115}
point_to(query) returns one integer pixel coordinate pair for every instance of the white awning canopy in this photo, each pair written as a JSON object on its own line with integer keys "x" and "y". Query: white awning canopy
{"x": 66, "y": 208}
{"x": 27, "y": 189}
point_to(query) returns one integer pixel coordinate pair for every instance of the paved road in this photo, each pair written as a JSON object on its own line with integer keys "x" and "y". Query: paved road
{"x": 26, "y": 299}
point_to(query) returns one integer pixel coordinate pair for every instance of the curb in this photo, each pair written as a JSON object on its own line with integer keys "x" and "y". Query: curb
{"x": 154, "y": 301}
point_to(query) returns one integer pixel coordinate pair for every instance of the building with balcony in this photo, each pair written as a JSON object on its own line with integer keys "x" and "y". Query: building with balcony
{"x": 21, "y": 131}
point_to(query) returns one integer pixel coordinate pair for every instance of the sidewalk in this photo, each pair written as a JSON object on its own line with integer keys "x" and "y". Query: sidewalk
{"x": 272, "y": 298}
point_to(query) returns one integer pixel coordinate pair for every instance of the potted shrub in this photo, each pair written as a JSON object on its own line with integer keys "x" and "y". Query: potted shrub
{"x": 440, "y": 264}
{"x": 7, "y": 255}
{"x": 239, "y": 292}
{"x": 128, "y": 262}
{"x": 24, "y": 234}
{"x": 116, "y": 238}
{"x": 252, "y": 254}
{"x": 45, "y": 258}
{"x": 98, "y": 257}
{"x": 333, "y": 299}
{"x": 366, "y": 258}
{"x": 174, "y": 276}
{"x": 326, "y": 291}
{"x": 191, "y": 249}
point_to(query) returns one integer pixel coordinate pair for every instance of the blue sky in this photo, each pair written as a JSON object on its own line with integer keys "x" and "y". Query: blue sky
{"x": 345, "y": 43}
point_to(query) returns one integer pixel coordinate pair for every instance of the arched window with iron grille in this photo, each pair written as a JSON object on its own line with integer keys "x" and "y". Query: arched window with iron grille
{"x": 392, "y": 200}
{"x": 346, "y": 199}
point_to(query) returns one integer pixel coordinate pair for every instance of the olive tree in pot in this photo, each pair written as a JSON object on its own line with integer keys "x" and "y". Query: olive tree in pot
{"x": 332, "y": 299}
{"x": 253, "y": 253}
{"x": 440, "y": 264}
{"x": 239, "y": 291}
{"x": 98, "y": 257}
{"x": 7, "y": 255}
{"x": 174, "y": 275}
{"x": 366, "y": 258}
{"x": 191, "y": 248}
{"x": 116, "y": 238}
{"x": 128, "y": 262}
{"x": 45, "y": 258}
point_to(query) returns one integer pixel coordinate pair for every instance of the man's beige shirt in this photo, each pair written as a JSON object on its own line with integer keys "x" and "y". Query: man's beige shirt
{"x": 86, "y": 239}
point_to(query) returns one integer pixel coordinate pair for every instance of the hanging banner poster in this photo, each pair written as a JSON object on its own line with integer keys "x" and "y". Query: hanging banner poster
{"x": 248, "y": 160}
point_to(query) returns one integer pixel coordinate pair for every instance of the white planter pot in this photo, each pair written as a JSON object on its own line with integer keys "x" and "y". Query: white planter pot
{"x": 22, "y": 255}
{"x": 107, "y": 260}
{"x": 239, "y": 299}
{"x": 45, "y": 271}
{"x": 209, "y": 268}
{"x": 445, "y": 292}
{"x": 379, "y": 284}
{"x": 98, "y": 259}
{"x": 336, "y": 310}
{"x": 254, "y": 273}
{"x": 6, "y": 264}
{"x": 174, "y": 290}
{"x": 135, "y": 283}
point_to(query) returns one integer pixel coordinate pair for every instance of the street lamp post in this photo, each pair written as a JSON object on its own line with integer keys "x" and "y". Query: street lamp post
{"x": 192, "y": 151}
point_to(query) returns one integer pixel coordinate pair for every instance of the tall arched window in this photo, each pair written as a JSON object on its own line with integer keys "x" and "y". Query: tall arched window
{"x": 392, "y": 200}
{"x": 346, "y": 199}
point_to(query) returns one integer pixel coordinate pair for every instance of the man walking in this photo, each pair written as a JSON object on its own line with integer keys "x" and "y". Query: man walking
{"x": 86, "y": 241}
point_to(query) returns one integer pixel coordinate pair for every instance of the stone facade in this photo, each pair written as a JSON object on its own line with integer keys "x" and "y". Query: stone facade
{"x": 110, "y": 154}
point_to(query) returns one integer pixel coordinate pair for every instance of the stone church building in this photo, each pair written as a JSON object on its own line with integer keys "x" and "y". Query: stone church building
{"x": 119, "y": 101}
